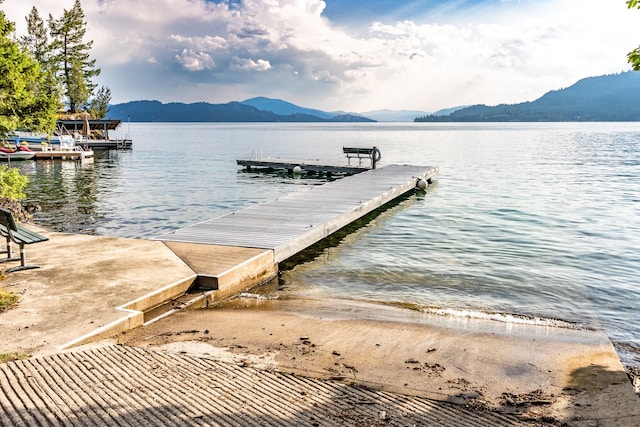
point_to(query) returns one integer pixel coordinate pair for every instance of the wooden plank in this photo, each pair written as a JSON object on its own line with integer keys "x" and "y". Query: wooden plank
{"x": 294, "y": 222}
{"x": 66, "y": 155}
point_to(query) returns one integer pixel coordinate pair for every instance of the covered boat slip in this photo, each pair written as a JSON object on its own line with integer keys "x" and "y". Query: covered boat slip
{"x": 294, "y": 222}
{"x": 85, "y": 127}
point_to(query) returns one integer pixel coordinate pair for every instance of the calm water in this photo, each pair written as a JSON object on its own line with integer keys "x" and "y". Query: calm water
{"x": 540, "y": 221}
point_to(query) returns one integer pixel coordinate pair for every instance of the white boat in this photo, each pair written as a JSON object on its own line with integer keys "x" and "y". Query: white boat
{"x": 6, "y": 154}
{"x": 61, "y": 142}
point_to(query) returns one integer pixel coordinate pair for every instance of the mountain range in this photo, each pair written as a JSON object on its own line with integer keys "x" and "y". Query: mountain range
{"x": 155, "y": 111}
{"x": 614, "y": 97}
{"x": 285, "y": 108}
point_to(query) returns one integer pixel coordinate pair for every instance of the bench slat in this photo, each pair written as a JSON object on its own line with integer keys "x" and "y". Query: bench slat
{"x": 27, "y": 236}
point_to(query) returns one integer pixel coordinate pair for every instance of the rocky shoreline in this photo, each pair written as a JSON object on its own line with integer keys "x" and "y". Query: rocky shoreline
{"x": 20, "y": 212}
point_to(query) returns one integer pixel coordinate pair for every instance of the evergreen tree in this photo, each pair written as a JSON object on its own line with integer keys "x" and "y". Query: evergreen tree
{"x": 36, "y": 42}
{"x": 77, "y": 88}
{"x": 99, "y": 105}
{"x": 634, "y": 55}
{"x": 25, "y": 99}
{"x": 71, "y": 55}
{"x": 37, "y": 39}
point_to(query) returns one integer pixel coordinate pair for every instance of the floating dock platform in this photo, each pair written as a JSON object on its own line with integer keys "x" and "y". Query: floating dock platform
{"x": 304, "y": 165}
{"x": 105, "y": 144}
{"x": 64, "y": 155}
{"x": 359, "y": 154}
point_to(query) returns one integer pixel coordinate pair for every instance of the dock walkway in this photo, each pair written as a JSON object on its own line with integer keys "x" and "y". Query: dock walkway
{"x": 64, "y": 155}
{"x": 296, "y": 221}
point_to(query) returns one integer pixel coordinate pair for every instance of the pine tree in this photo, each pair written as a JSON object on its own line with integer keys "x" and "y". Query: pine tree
{"x": 634, "y": 55}
{"x": 36, "y": 42}
{"x": 26, "y": 100}
{"x": 71, "y": 55}
{"x": 99, "y": 105}
{"x": 37, "y": 39}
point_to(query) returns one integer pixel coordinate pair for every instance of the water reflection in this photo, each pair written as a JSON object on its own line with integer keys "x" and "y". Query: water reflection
{"x": 66, "y": 192}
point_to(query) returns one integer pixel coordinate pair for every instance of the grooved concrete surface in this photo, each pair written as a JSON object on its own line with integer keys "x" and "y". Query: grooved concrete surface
{"x": 128, "y": 386}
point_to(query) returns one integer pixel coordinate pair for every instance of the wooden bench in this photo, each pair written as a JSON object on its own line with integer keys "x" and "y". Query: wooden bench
{"x": 19, "y": 235}
{"x": 362, "y": 153}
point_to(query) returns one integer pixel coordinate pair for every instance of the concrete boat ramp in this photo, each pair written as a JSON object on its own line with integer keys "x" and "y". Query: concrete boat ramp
{"x": 275, "y": 364}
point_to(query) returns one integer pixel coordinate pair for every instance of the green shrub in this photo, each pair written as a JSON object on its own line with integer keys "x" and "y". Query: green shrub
{"x": 12, "y": 183}
{"x": 10, "y": 357}
{"x": 7, "y": 299}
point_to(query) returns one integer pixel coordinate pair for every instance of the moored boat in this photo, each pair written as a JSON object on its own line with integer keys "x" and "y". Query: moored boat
{"x": 19, "y": 153}
{"x": 38, "y": 142}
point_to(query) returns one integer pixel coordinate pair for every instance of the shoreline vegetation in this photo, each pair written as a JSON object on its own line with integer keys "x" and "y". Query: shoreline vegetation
{"x": 7, "y": 298}
{"x": 48, "y": 72}
{"x": 10, "y": 357}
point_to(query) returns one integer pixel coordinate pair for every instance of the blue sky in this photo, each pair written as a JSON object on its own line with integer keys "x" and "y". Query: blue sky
{"x": 355, "y": 12}
{"x": 346, "y": 54}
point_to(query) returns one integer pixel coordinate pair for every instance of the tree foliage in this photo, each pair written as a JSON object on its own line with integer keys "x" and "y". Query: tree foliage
{"x": 99, "y": 105}
{"x": 12, "y": 183}
{"x": 72, "y": 58}
{"x": 26, "y": 100}
{"x": 37, "y": 39}
{"x": 64, "y": 58}
{"x": 634, "y": 55}
{"x": 36, "y": 42}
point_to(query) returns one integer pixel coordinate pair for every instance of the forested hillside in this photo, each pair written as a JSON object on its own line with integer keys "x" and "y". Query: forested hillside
{"x": 613, "y": 97}
{"x": 155, "y": 111}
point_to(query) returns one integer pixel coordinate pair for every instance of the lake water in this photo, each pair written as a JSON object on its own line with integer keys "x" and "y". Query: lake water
{"x": 526, "y": 222}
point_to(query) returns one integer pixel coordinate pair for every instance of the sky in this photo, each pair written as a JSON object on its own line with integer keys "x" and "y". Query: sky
{"x": 348, "y": 55}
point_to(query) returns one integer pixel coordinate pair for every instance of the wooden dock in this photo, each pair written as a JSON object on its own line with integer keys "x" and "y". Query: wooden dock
{"x": 64, "y": 155}
{"x": 105, "y": 144}
{"x": 294, "y": 222}
{"x": 304, "y": 165}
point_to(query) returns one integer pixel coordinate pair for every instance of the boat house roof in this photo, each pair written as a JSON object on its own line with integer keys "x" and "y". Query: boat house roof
{"x": 93, "y": 124}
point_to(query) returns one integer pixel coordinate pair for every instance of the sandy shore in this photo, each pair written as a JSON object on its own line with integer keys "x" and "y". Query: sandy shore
{"x": 550, "y": 374}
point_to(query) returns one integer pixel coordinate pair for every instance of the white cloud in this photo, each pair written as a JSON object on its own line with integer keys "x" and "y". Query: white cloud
{"x": 195, "y": 61}
{"x": 246, "y": 64}
{"x": 209, "y": 43}
{"x": 511, "y": 52}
